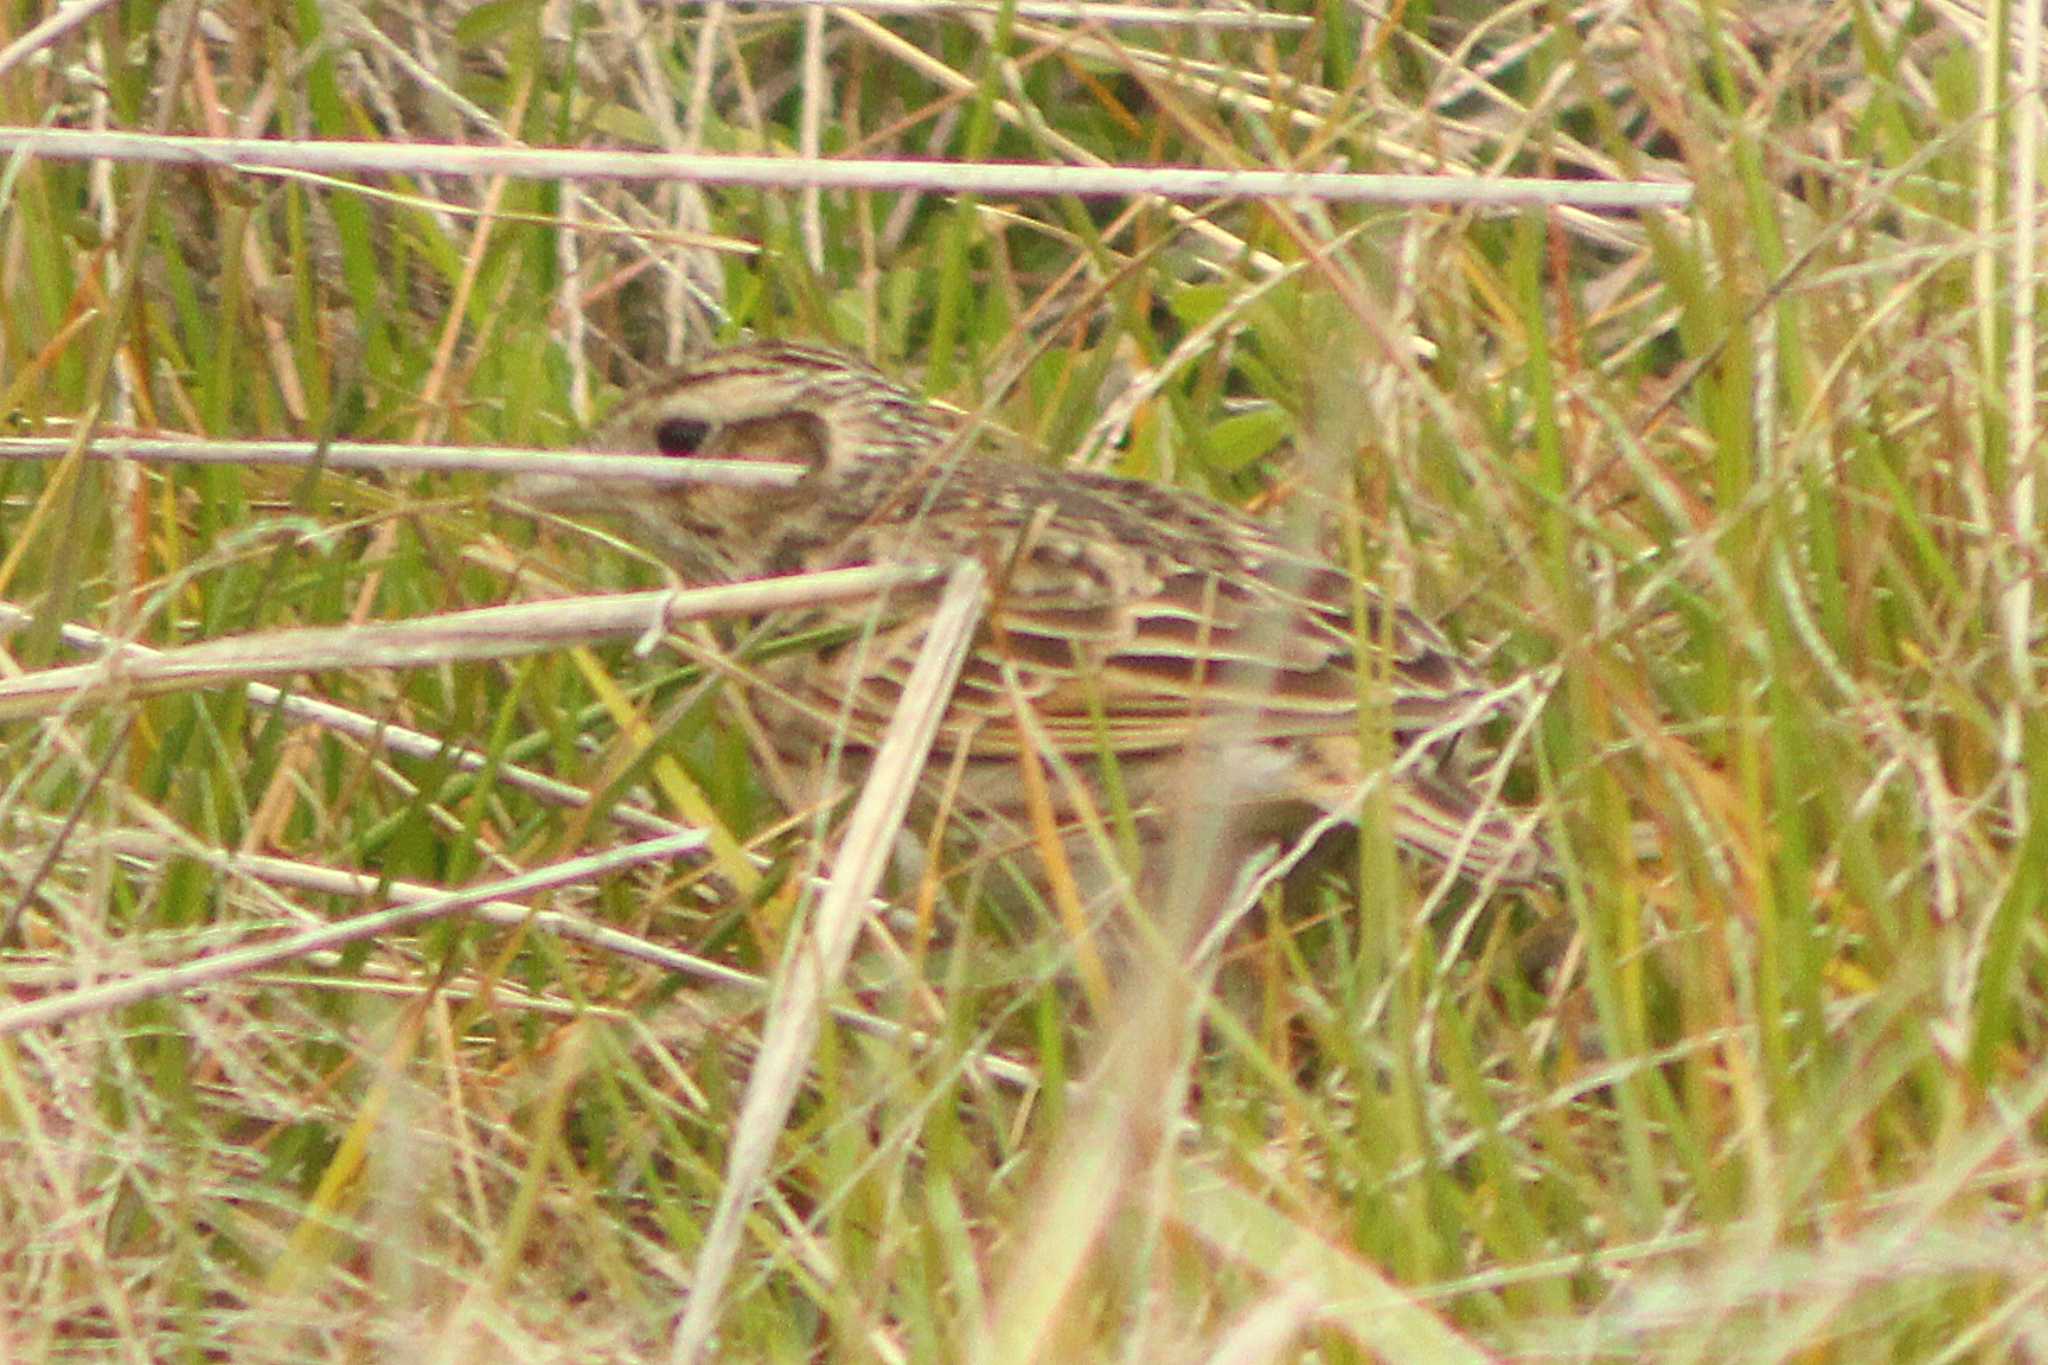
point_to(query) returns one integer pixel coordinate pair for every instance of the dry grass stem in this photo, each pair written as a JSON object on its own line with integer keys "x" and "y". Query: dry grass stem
{"x": 486, "y": 633}
{"x": 1185, "y": 183}
{"x": 652, "y": 470}
{"x": 817, "y": 960}
{"x": 228, "y": 965}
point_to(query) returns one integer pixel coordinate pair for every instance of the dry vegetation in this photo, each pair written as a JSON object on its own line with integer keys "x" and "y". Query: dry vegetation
{"x": 1745, "y": 485}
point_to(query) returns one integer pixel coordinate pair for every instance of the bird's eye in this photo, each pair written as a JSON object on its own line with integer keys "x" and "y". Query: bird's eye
{"x": 681, "y": 436}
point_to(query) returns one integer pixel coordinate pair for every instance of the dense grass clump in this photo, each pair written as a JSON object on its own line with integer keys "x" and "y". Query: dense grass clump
{"x": 1743, "y": 486}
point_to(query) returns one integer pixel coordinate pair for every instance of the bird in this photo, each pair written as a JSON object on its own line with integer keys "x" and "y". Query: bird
{"x": 1151, "y": 632}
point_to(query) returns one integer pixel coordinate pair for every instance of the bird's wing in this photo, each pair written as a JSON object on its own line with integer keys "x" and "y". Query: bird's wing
{"x": 1132, "y": 617}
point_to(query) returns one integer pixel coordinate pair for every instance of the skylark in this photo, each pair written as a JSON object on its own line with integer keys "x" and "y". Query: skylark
{"x": 1162, "y": 643}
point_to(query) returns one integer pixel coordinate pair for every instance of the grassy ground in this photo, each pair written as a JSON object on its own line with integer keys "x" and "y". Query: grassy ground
{"x": 1745, "y": 486}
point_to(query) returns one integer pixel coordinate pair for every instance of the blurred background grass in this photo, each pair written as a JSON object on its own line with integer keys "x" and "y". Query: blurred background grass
{"x": 1753, "y": 477}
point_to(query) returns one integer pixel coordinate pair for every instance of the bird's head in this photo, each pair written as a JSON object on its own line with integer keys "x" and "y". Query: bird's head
{"x": 830, "y": 414}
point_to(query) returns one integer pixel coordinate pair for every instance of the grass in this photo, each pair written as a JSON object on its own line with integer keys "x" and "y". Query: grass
{"x": 1746, "y": 485}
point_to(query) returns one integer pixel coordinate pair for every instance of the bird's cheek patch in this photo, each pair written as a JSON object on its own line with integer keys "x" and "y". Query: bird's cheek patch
{"x": 785, "y": 438}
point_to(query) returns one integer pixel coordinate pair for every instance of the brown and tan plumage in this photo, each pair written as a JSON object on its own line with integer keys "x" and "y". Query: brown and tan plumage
{"x": 1145, "y": 621}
